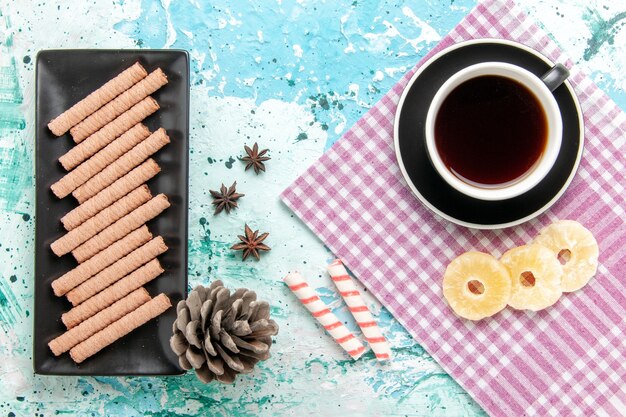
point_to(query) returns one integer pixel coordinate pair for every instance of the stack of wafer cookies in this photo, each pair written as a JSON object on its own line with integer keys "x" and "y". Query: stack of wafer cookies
{"x": 107, "y": 232}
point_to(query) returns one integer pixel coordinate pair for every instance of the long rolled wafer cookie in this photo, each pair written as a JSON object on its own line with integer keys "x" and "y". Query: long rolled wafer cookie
{"x": 111, "y": 294}
{"x": 112, "y": 193}
{"x": 318, "y": 309}
{"x": 121, "y": 228}
{"x": 114, "y": 87}
{"x": 104, "y": 157}
{"x": 97, "y": 263}
{"x": 104, "y": 136}
{"x": 74, "y": 238}
{"x": 102, "y": 319}
{"x": 116, "y": 330}
{"x": 122, "y": 166}
{"x": 155, "y": 80}
{"x": 117, "y": 270}
{"x": 351, "y": 295}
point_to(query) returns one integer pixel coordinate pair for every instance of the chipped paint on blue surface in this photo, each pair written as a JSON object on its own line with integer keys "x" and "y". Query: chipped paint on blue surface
{"x": 10, "y": 308}
{"x": 314, "y": 66}
{"x": 15, "y": 169}
{"x": 602, "y": 31}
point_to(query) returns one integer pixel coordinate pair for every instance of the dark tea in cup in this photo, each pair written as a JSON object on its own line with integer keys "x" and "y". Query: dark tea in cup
{"x": 493, "y": 130}
{"x": 490, "y": 131}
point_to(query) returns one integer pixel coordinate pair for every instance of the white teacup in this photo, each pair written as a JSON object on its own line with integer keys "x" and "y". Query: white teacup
{"x": 542, "y": 89}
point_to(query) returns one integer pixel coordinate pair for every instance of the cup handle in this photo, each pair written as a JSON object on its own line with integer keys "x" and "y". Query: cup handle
{"x": 555, "y": 76}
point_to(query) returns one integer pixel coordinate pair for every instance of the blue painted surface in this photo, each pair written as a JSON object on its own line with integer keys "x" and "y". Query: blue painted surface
{"x": 292, "y": 75}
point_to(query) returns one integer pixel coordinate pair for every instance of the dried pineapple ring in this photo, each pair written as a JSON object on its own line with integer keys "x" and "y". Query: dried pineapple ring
{"x": 535, "y": 277}
{"x": 476, "y": 285}
{"x": 570, "y": 239}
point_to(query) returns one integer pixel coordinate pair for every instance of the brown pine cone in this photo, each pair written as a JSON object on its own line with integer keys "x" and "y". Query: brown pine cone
{"x": 220, "y": 334}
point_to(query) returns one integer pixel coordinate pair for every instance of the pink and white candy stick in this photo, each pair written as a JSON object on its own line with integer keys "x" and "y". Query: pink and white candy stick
{"x": 324, "y": 316}
{"x": 359, "y": 310}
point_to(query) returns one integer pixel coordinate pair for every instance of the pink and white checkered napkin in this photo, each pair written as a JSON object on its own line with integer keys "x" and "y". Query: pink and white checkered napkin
{"x": 568, "y": 360}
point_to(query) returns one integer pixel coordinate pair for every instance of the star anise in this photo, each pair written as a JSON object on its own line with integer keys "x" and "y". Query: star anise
{"x": 251, "y": 243}
{"x": 255, "y": 159}
{"x": 225, "y": 199}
